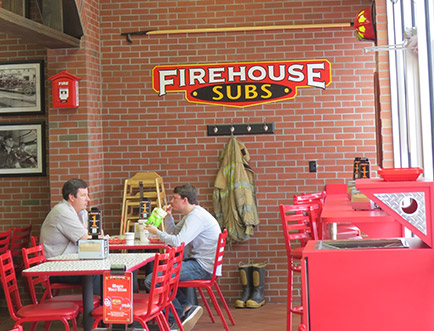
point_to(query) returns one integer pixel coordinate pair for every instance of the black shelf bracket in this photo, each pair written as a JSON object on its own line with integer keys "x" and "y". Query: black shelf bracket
{"x": 134, "y": 33}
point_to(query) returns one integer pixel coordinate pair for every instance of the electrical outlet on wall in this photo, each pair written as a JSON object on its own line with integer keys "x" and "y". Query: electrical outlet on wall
{"x": 312, "y": 166}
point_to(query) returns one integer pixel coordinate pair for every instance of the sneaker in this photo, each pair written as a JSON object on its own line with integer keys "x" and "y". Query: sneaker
{"x": 174, "y": 327}
{"x": 191, "y": 317}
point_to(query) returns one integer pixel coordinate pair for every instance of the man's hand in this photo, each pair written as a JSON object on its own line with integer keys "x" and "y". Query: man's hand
{"x": 152, "y": 229}
{"x": 168, "y": 210}
{"x": 85, "y": 236}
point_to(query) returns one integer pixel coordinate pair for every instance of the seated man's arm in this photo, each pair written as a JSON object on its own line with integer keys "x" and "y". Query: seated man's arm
{"x": 85, "y": 236}
{"x": 72, "y": 228}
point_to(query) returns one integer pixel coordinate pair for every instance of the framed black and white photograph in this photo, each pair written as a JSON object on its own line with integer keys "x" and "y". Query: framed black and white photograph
{"x": 22, "y": 149}
{"x": 22, "y": 87}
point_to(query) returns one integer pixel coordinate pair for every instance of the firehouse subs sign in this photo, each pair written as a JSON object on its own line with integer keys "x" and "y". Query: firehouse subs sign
{"x": 241, "y": 84}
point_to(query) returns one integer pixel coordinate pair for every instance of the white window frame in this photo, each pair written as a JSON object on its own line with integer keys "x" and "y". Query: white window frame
{"x": 411, "y": 90}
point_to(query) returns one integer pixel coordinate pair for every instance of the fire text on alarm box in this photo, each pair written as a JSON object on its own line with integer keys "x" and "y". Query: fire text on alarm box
{"x": 241, "y": 84}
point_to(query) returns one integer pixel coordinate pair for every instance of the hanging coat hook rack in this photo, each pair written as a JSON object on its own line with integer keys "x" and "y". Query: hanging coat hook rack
{"x": 239, "y": 129}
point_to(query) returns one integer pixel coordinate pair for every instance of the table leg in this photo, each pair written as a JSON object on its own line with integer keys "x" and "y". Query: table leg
{"x": 87, "y": 283}
{"x": 333, "y": 231}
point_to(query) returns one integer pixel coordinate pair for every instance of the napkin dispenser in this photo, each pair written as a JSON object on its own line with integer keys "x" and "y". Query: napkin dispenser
{"x": 95, "y": 249}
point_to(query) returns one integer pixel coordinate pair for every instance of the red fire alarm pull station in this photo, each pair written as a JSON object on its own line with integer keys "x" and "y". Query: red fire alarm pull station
{"x": 65, "y": 90}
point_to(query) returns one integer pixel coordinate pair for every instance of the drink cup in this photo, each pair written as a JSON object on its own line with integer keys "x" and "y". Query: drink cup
{"x": 143, "y": 234}
{"x": 129, "y": 238}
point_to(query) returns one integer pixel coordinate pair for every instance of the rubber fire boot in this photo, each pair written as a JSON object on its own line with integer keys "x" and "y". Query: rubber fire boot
{"x": 257, "y": 298}
{"x": 246, "y": 281}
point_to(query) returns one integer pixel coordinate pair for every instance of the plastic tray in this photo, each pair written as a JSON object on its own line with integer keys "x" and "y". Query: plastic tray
{"x": 155, "y": 240}
{"x": 399, "y": 174}
{"x": 116, "y": 241}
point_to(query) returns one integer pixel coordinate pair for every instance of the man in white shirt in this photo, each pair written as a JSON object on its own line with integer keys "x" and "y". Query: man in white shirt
{"x": 67, "y": 222}
{"x": 199, "y": 230}
{"x": 65, "y": 225}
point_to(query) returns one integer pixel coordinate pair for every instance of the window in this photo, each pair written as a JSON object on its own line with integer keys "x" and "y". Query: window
{"x": 410, "y": 29}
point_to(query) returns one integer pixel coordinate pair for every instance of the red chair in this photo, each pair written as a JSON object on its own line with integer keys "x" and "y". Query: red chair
{"x": 158, "y": 295}
{"x": 312, "y": 211}
{"x": 55, "y": 287}
{"x": 173, "y": 284}
{"x": 296, "y": 227}
{"x": 34, "y": 313}
{"x": 5, "y": 239}
{"x": 20, "y": 239}
{"x": 34, "y": 240}
{"x": 310, "y": 197}
{"x": 35, "y": 255}
{"x": 208, "y": 284}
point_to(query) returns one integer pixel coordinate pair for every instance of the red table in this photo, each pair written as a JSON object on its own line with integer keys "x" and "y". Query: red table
{"x": 375, "y": 223}
{"x": 69, "y": 264}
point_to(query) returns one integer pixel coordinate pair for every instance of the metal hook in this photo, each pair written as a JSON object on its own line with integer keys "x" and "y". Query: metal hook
{"x": 265, "y": 127}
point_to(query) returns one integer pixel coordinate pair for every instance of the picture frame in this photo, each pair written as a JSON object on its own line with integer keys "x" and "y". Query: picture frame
{"x": 22, "y": 87}
{"x": 22, "y": 149}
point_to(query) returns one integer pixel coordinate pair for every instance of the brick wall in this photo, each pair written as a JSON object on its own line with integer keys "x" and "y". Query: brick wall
{"x": 76, "y": 146}
{"x": 22, "y": 199}
{"x": 144, "y": 132}
{"x": 123, "y": 127}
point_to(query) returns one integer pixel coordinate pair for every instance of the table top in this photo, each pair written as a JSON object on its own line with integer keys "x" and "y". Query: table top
{"x": 69, "y": 264}
{"x": 64, "y": 257}
{"x": 337, "y": 209}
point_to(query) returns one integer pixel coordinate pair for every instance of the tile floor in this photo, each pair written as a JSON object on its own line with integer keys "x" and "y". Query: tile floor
{"x": 269, "y": 317}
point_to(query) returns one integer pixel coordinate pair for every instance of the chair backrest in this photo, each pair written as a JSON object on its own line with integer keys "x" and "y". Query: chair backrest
{"x": 20, "y": 239}
{"x": 178, "y": 254}
{"x": 5, "y": 239}
{"x": 9, "y": 284}
{"x": 34, "y": 240}
{"x": 161, "y": 274}
{"x": 296, "y": 226}
{"x": 220, "y": 251}
{"x": 311, "y": 208}
{"x": 317, "y": 197}
{"x": 31, "y": 257}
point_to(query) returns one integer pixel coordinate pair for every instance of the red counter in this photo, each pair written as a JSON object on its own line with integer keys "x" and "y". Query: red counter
{"x": 375, "y": 289}
{"x": 369, "y": 289}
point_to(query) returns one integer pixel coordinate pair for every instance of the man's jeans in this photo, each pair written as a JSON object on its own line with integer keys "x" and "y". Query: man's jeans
{"x": 190, "y": 270}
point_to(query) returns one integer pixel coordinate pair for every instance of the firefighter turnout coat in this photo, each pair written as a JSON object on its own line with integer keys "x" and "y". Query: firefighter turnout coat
{"x": 234, "y": 195}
